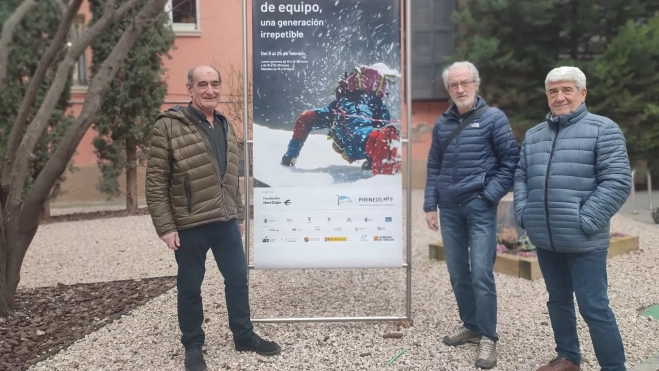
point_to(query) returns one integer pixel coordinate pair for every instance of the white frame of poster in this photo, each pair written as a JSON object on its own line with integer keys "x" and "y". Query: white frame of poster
{"x": 406, "y": 141}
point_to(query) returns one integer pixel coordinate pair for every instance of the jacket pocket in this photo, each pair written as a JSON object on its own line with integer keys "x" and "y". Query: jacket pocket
{"x": 580, "y": 218}
{"x": 188, "y": 193}
{"x": 520, "y": 222}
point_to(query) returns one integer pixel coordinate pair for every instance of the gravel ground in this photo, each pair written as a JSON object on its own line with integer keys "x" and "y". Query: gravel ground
{"x": 148, "y": 339}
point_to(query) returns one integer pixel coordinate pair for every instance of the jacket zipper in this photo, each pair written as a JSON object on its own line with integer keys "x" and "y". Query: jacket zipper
{"x": 455, "y": 147}
{"x": 551, "y": 155}
{"x": 455, "y": 152}
{"x": 215, "y": 165}
{"x": 188, "y": 193}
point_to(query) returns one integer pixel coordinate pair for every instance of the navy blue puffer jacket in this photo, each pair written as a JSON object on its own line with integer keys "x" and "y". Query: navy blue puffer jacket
{"x": 573, "y": 176}
{"x": 480, "y": 160}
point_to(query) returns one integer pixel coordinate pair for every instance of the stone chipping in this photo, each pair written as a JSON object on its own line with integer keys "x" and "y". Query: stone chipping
{"x": 148, "y": 338}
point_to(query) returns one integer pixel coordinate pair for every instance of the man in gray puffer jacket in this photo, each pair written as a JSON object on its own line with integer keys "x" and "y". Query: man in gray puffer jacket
{"x": 573, "y": 176}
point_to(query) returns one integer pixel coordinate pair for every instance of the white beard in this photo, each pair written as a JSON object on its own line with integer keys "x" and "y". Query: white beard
{"x": 466, "y": 104}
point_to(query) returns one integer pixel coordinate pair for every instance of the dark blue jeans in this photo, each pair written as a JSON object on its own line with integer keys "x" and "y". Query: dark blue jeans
{"x": 583, "y": 275}
{"x": 224, "y": 239}
{"x": 470, "y": 231}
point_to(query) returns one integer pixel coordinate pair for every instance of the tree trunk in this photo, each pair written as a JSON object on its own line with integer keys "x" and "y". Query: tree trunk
{"x": 21, "y": 217}
{"x": 45, "y": 211}
{"x": 4, "y": 292}
{"x": 13, "y": 251}
{"x": 131, "y": 174}
{"x": 5, "y": 310}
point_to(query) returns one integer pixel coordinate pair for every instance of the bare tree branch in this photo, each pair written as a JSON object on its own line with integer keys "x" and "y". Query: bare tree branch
{"x": 30, "y": 96}
{"x": 61, "y": 10}
{"x": 8, "y": 33}
{"x": 20, "y": 168}
{"x": 110, "y": 15}
{"x": 66, "y": 148}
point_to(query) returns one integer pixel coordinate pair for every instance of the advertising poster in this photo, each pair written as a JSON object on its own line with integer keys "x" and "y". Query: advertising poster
{"x": 327, "y": 128}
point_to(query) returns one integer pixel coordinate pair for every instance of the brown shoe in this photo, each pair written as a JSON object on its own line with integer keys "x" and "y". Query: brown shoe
{"x": 559, "y": 364}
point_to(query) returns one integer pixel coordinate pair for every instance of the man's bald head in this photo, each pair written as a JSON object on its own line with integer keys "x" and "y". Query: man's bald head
{"x": 202, "y": 70}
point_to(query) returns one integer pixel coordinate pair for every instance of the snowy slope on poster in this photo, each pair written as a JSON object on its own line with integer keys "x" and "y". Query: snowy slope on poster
{"x": 317, "y": 166}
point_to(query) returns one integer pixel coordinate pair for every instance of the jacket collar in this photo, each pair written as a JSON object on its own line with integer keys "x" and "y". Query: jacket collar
{"x": 569, "y": 119}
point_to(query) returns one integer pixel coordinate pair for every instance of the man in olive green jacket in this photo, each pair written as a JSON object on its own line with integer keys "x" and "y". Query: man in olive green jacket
{"x": 193, "y": 195}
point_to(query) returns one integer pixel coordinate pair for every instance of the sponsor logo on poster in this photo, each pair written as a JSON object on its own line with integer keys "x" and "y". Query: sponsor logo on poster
{"x": 364, "y": 237}
{"x": 387, "y": 219}
{"x": 312, "y": 239}
{"x": 272, "y": 200}
{"x": 383, "y": 238}
{"x": 342, "y": 199}
{"x": 376, "y": 201}
{"x": 336, "y": 239}
{"x": 266, "y": 239}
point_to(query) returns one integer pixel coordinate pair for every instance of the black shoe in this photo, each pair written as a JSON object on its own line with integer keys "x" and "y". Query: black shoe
{"x": 260, "y": 346}
{"x": 288, "y": 161}
{"x": 194, "y": 360}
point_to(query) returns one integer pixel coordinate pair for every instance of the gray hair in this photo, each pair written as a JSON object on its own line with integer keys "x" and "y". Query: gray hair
{"x": 472, "y": 69}
{"x": 566, "y": 73}
{"x": 191, "y": 74}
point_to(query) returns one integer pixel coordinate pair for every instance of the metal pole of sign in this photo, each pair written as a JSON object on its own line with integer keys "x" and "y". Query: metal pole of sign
{"x": 246, "y": 141}
{"x": 649, "y": 180}
{"x": 408, "y": 142}
{"x": 408, "y": 212}
{"x": 633, "y": 194}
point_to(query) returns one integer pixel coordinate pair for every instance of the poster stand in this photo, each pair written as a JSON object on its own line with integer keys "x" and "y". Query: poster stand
{"x": 406, "y": 141}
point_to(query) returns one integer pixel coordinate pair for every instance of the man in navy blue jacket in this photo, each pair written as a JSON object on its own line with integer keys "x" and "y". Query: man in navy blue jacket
{"x": 467, "y": 177}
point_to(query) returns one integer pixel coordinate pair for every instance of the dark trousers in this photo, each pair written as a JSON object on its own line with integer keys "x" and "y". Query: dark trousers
{"x": 469, "y": 233}
{"x": 584, "y": 275}
{"x": 224, "y": 239}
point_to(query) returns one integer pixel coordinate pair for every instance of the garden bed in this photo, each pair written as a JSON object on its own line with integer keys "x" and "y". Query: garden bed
{"x": 524, "y": 263}
{"x": 50, "y": 319}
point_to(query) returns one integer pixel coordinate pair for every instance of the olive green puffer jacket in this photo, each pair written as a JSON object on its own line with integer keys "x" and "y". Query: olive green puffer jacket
{"x": 184, "y": 187}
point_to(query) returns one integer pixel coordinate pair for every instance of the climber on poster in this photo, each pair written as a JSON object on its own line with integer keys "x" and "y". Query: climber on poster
{"x": 358, "y": 120}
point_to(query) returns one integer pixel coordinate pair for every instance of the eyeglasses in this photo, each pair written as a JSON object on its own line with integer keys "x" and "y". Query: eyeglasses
{"x": 464, "y": 84}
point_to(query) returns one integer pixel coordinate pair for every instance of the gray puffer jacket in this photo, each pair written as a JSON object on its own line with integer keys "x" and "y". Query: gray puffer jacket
{"x": 572, "y": 177}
